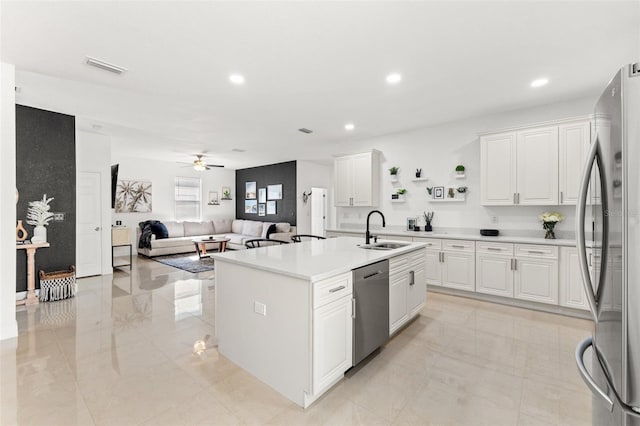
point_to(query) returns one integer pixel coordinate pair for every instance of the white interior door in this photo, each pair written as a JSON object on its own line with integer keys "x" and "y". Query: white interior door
{"x": 318, "y": 211}
{"x": 88, "y": 228}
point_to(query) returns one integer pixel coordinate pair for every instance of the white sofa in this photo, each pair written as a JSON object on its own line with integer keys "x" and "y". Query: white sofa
{"x": 238, "y": 231}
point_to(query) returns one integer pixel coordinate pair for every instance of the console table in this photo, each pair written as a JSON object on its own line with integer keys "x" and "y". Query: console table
{"x": 31, "y": 278}
{"x": 121, "y": 237}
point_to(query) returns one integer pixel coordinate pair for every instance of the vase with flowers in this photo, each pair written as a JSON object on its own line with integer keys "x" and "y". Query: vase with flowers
{"x": 39, "y": 215}
{"x": 549, "y": 221}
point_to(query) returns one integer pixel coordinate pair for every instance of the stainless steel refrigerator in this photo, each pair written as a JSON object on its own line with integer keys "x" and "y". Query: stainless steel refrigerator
{"x": 610, "y": 198}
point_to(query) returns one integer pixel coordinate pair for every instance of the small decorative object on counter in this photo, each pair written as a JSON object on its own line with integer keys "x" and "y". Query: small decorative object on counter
{"x": 39, "y": 215}
{"x": 429, "y": 189}
{"x": 411, "y": 223}
{"x": 451, "y": 193}
{"x": 549, "y": 220}
{"x": 461, "y": 189}
{"x": 418, "y": 173}
{"x": 428, "y": 217}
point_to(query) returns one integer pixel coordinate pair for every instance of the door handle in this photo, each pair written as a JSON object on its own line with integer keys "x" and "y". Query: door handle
{"x": 518, "y": 198}
{"x": 515, "y": 264}
{"x": 535, "y": 251}
{"x": 333, "y": 290}
{"x": 561, "y": 196}
{"x": 457, "y": 246}
{"x": 412, "y": 277}
{"x": 442, "y": 253}
{"x": 514, "y": 198}
{"x": 97, "y": 228}
{"x": 580, "y": 350}
{"x": 494, "y": 248}
{"x": 372, "y": 275}
{"x": 353, "y": 308}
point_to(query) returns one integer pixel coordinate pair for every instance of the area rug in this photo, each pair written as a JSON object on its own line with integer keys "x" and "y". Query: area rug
{"x": 187, "y": 262}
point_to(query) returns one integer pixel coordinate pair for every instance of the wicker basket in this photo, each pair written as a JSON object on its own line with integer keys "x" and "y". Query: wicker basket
{"x": 58, "y": 285}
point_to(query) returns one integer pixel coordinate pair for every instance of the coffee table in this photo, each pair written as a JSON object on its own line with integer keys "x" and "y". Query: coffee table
{"x": 201, "y": 245}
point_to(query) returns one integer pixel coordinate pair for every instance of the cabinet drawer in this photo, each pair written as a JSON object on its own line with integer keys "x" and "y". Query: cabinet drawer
{"x": 532, "y": 250}
{"x": 404, "y": 261}
{"x": 430, "y": 243}
{"x": 458, "y": 245}
{"x": 494, "y": 248}
{"x": 331, "y": 289}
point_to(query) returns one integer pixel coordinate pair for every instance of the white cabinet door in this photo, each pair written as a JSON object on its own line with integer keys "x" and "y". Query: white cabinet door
{"x": 573, "y": 146}
{"x": 416, "y": 291}
{"x": 433, "y": 269}
{"x": 536, "y": 279}
{"x": 498, "y": 169}
{"x": 572, "y": 292}
{"x": 537, "y": 166}
{"x": 343, "y": 181}
{"x": 398, "y": 313}
{"x": 458, "y": 270}
{"x": 494, "y": 274}
{"x": 362, "y": 180}
{"x": 332, "y": 342}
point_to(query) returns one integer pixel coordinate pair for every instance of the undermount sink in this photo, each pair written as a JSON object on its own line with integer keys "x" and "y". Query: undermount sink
{"x": 383, "y": 246}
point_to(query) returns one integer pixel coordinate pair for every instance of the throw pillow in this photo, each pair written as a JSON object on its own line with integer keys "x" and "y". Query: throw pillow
{"x": 159, "y": 230}
{"x": 271, "y": 230}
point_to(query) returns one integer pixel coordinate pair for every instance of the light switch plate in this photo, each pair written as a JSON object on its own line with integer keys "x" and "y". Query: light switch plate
{"x": 260, "y": 308}
{"x": 58, "y": 216}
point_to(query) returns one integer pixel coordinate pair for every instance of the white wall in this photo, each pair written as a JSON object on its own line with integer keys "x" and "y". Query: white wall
{"x": 162, "y": 176}
{"x": 437, "y": 150}
{"x": 8, "y": 325}
{"x": 310, "y": 174}
{"x": 93, "y": 154}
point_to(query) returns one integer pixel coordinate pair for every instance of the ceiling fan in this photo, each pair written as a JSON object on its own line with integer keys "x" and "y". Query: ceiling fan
{"x": 199, "y": 164}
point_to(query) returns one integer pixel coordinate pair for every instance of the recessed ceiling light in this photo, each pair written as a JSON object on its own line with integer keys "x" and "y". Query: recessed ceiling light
{"x": 236, "y": 79}
{"x": 539, "y": 82}
{"x": 349, "y": 126}
{"x": 394, "y": 78}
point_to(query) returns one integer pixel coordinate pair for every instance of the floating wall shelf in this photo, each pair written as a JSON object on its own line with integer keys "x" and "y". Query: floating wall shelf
{"x": 420, "y": 179}
{"x": 398, "y": 201}
{"x": 447, "y": 200}
{"x": 462, "y": 176}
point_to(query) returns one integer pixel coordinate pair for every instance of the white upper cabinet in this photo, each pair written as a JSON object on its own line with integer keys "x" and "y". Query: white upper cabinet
{"x": 537, "y": 166}
{"x": 573, "y": 142}
{"x": 498, "y": 169}
{"x": 534, "y": 165}
{"x": 356, "y": 180}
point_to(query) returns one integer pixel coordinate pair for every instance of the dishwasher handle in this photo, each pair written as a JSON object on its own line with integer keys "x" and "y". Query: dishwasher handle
{"x": 378, "y": 272}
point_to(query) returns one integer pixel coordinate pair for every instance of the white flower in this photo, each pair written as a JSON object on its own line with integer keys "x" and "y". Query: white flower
{"x": 551, "y": 217}
{"x": 38, "y": 213}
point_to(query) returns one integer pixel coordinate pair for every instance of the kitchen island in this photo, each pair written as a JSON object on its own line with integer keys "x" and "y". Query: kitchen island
{"x": 284, "y": 313}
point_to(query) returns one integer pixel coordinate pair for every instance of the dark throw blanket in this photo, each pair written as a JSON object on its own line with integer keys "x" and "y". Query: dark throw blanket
{"x": 149, "y": 228}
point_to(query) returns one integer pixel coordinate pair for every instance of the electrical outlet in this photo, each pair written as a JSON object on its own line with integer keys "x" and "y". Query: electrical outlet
{"x": 58, "y": 217}
{"x": 260, "y": 308}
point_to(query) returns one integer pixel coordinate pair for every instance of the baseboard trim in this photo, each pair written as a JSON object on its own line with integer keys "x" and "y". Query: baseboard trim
{"x": 551, "y": 309}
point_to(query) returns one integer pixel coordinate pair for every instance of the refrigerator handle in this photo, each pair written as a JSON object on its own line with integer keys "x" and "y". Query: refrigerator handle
{"x": 593, "y": 386}
{"x": 580, "y": 350}
{"x": 580, "y": 233}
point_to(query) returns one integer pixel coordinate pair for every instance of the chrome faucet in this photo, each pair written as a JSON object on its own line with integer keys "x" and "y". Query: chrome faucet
{"x": 367, "y": 235}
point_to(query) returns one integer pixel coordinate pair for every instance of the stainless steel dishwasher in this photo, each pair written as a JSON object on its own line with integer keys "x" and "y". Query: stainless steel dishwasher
{"x": 371, "y": 313}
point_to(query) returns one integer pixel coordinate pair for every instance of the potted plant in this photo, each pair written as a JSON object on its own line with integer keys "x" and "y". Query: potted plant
{"x": 39, "y": 215}
{"x": 549, "y": 220}
{"x": 460, "y": 170}
{"x": 430, "y": 190}
{"x": 226, "y": 194}
{"x": 400, "y": 193}
{"x": 394, "y": 173}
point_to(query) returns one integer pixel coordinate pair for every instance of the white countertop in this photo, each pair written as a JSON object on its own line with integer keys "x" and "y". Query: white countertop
{"x": 461, "y": 236}
{"x": 312, "y": 260}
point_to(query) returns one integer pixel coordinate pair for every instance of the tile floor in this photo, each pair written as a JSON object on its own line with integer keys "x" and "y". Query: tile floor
{"x": 120, "y": 353}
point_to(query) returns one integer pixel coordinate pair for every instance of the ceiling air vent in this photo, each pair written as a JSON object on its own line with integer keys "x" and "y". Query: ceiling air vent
{"x": 305, "y": 130}
{"x": 105, "y": 65}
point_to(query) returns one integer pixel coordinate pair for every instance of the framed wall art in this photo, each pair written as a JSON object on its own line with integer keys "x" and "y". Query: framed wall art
{"x": 262, "y": 195}
{"x": 262, "y": 209}
{"x": 251, "y": 206}
{"x": 438, "y": 193}
{"x": 271, "y": 207}
{"x": 274, "y": 192}
{"x": 250, "y": 191}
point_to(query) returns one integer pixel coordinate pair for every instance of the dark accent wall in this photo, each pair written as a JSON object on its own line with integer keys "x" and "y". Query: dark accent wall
{"x": 46, "y": 164}
{"x": 273, "y": 174}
